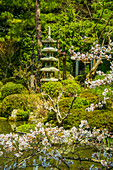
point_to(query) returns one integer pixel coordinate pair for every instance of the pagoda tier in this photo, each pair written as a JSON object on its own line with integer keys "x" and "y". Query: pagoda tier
{"x": 49, "y": 61}
{"x": 49, "y": 49}
{"x": 49, "y": 40}
{"x": 50, "y": 79}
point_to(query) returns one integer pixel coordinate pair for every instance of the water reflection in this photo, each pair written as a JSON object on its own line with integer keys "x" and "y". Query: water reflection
{"x": 7, "y": 127}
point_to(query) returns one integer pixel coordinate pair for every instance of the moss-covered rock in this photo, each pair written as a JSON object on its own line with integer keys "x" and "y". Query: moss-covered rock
{"x": 26, "y": 128}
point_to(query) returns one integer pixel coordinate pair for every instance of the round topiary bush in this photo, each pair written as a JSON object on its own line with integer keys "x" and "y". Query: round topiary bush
{"x": 1, "y": 84}
{"x": 70, "y": 87}
{"x": 52, "y": 88}
{"x": 16, "y": 80}
{"x": 11, "y": 88}
{"x": 14, "y": 101}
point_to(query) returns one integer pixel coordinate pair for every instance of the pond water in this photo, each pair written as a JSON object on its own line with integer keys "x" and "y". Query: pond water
{"x": 7, "y": 127}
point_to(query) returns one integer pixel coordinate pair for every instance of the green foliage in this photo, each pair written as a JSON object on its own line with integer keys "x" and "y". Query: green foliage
{"x": 97, "y": 118}
{"x": 14, "y": 101}
{"x": 52, "y": 88}
{"x": 1, "y": 84}
{"x": 33, "y": 101}
{"x": 105, "y": 66}
{"x": 80, "y": 103}
{"x": 3, "y": 119}
{"x": 6, "y": 80}
{"x": 70, "y": 87}
{"x": 70, "y": 22}
{"x": 11, "y": 88}
{"x": 89, "y": 96}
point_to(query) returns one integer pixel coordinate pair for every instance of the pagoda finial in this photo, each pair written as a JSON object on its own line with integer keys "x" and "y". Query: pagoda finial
{"x": 49, "y": 32}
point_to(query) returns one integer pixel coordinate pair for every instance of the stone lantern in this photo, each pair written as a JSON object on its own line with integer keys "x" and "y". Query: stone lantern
{"x": 49, "y": 61}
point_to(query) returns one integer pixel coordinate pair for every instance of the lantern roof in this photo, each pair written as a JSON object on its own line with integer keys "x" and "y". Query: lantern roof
{"x": 49, "y": 39}
{"x": 48, "y": 59}
{"x": 49, "y": 69}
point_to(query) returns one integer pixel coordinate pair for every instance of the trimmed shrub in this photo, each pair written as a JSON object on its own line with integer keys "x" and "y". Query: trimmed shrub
{"x": 1, "y": 84}
{"x": 70, "y": 87}
{"x": 11, "y": 88}
{"x": 89, "y": 96}
{"x": 80, "y": 103}
{"x": 97, "y": 118}
{"x": 14, "y": 101}
{"x": 52, "y": 88}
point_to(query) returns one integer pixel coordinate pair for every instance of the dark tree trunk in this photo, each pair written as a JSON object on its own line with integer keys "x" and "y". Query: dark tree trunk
{"x": 38, "y": 27}
{"x": 38, "y": 36}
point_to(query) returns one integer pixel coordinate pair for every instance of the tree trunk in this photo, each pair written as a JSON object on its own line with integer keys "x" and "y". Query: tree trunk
{"x": 38, "y": 27}
{"x": 91, "y": 73}
{"x": 38, "y": 36}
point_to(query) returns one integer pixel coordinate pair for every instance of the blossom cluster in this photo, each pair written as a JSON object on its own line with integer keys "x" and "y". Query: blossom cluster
{"x": 96, "y": 52}
{"x": 44, "y": 142}
{"x": 108, "y": 79}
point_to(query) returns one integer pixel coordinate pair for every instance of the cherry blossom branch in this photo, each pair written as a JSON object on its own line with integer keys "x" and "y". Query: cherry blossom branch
{"x": 55, "y": 108}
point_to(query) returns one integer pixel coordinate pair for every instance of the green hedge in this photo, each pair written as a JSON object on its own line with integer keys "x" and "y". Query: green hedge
{"x": 14, "y": 101}
{"x": 11, "y": 88}
{"x": 88, "y": 95}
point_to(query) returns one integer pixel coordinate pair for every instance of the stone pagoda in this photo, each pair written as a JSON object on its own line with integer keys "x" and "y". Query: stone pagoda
{"x": 49, "y": 61}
